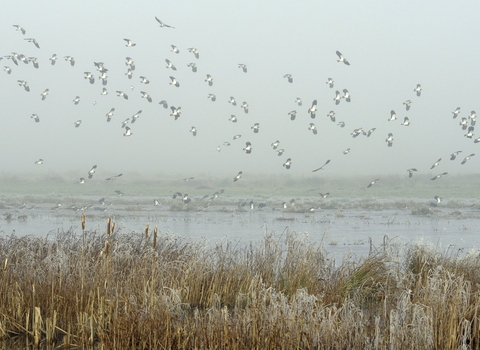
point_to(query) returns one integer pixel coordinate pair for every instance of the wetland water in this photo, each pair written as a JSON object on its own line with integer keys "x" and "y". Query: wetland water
{"x": 350, "y": 229}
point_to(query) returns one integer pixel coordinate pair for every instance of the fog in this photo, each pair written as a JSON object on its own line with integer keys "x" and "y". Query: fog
{"x": 391, "y": 47}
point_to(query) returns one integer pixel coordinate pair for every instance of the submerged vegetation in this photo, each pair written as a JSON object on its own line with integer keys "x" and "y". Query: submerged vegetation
{"x": 156, "y": 291}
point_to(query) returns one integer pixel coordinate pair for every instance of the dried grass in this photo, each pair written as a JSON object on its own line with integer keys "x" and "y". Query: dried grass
{"x": 156, "y": 291}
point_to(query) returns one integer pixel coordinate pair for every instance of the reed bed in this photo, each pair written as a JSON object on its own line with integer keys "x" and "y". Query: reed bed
{"x": 151, "y": 290}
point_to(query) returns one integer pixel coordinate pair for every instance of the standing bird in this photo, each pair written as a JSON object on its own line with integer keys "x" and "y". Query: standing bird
{"x": 209, "y": 80}
{"x": 174, "y": 81}
{"x": 454, "y": 155}
{"x": 330, "y": 82}
{"x": 322, "y": 167}
{"x": 436, "y": 163}
{"x": 163, "y": 25}
{"x": 337, "y": 97}
{"x": 342, "y": 59}
{"x": 170, "y": 65}
{"x": 92, "y": 171}
{"x": 418, "y": 89}
{"x": 129, "y": 43}
{"x": 44, "y": 94}
{"x": 248, "y": 148}
{"x": 194, "y": 51}
{"x": 456, "y": 112}
{"x": 393, "y": 116}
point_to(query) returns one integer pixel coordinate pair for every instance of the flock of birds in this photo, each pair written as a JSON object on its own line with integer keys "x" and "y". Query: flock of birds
{"x": 467, "y": 124}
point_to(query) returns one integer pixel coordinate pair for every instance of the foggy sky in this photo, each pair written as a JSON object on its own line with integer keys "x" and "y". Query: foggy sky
{"x": 391, "y": 48}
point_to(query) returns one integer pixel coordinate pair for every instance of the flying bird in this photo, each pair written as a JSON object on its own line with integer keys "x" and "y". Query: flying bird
{"x": 232, "y": 101}
{"x": 111, "y": 178}
{"x": 469, "y": 134}
{"x": 313, "y": 128}
{"x": 410, "y": 172}
{"x": 243, "y": 67}
{"x": 8, "y": 70}
{"x": 467, "y": 158}
{"x": 109, "y": 115}
{"x": 322, "y": 167}
{"x": 136, "y": 116}
{"x": 39, "y": 162}
{"x": 418, "y": 89}
{"x": 288, "y": 163}
{"x": 162, "y": 24}
{"x": 69, "y": 59}
{"x": 331, "y": 114}
{"x": 24, "y": 84}
{"x": 129, "y": 43}
{"x": 175, "y": 49}
{"x": 256, "y": 128}
{"x": 128, "y": 132}
{"x": 244, "y": 105}
{"x": 456, "y": 112}
{"x": 175, "y": 112}
{"x": 370, "y": 132}
{"x": 163, "y": 103}
{"x": 89, "y": 76}
{"x": 407, "y": 104}
{"x": 292, "y": 114}
{"x": 289, "y": 78}
{"x": 32, "y": 40}
{"x": 193, "y": 130}
{"x": 275, "y": 144}
{"x": 212, "y": 97}
{"x": 342, "y": 59}
{"x": 77, "y": 123}
{"x": 406, "y": 121}
{"x": 372, "y": 183}
{"x": 347, "y": 151}
{"x": 144, "y": 80}
{"x": 35, "y": 117}
{"x": 122, "y": 94}
{"x": 393, "y": 116}
{"x": 346, "y": 95}
{"x": 239, "y": 175}
{"x": 337, "y": 97}
{"x": 298, "y": 101}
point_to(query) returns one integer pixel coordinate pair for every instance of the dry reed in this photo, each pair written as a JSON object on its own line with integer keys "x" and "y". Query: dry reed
{"x": 134, "y": 291}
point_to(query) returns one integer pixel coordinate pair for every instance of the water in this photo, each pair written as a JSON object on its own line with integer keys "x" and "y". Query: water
{"x": 347, "y": 231}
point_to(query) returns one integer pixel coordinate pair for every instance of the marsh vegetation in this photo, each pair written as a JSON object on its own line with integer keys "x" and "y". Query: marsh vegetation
{"x": 147, "y": 289}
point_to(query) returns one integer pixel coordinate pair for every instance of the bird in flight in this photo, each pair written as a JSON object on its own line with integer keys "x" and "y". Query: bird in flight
{"x": 342, "y": 59}
{"x": 418, "y": 89}
{"x": 410, "y": 172}
{"x": 129, "y": 43}
{"x": 322, "y": 167}
{"x": 239, "y": 175}
{"x": 372, "y": 183}
{"x": 111, "y": 178}
{"x": 162, "y": 24}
